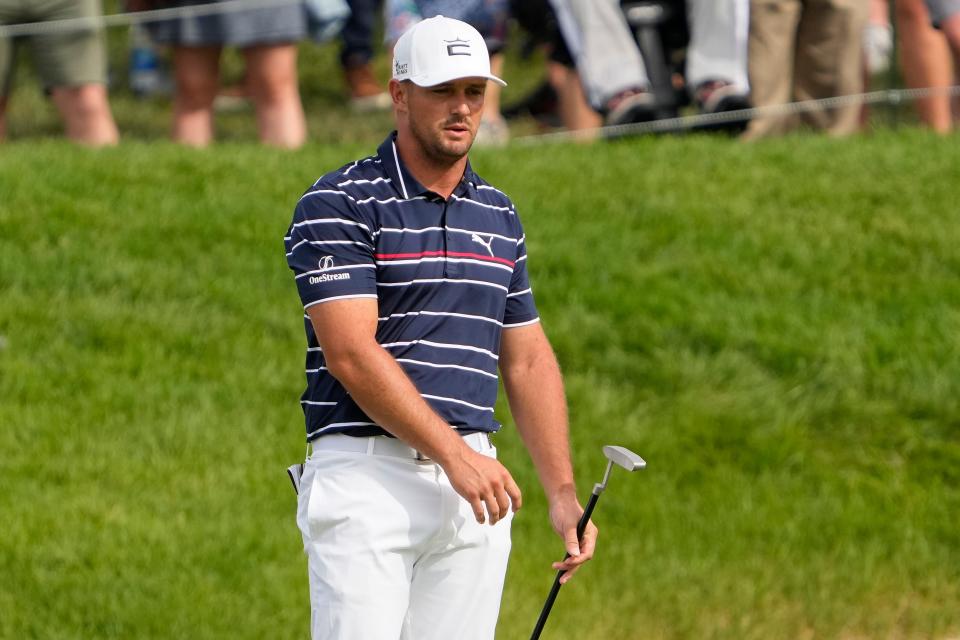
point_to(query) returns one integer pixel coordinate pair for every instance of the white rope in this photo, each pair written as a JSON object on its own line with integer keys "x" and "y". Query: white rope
{"x": 88, "y": 23}
{"x": 686, "y": 123}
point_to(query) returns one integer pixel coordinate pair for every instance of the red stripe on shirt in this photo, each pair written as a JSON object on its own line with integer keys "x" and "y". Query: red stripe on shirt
{"x": 446, "y": 254}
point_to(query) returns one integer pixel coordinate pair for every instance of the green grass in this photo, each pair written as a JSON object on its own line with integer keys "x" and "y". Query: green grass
{"x": 773, "y": 327}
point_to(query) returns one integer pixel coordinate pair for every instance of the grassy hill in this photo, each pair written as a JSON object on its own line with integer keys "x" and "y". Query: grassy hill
{"x": 773, "y": 327}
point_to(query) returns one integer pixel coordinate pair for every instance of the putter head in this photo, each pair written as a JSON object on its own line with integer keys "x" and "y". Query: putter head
{"x": 624, "y": 458}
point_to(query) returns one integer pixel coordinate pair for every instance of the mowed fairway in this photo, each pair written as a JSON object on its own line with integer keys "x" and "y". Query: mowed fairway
{"x": 773, "y": 327}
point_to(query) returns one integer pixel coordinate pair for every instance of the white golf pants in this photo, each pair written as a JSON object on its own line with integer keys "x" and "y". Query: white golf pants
{"x": 394, "y": 553}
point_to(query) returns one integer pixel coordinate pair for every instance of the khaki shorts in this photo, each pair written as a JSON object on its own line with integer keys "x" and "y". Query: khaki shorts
{"x": 940, "y": 10}
{"x": 61, "y": 59}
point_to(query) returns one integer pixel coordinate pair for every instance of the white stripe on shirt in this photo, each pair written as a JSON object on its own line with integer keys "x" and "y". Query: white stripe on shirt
{"x": 481, "y": 204}
{"x": 330, "y": 427}
{"x": 454, "y": 229}
{"x": 521, "y": 324}
{"x": 451, "y": 280}
{"x": 448, "y": 366}
{"x": 355, "y": 295}
{"x": 311, "y": 221}
{"x": 442, "y": 345}
{"x": 465, "y": 316}
{"x": 359, "y": 181}
{"x": 403, "y": 187}
{"x": 325, "y": 242}
{"x": 463, "y": 402}
{"x": 359, "y": 162}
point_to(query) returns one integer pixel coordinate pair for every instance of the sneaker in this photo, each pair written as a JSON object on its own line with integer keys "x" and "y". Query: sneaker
{"x": 631, "y": 105}
{"x": 493, "y": 132}
{"x": 716, "y": 96}
{"x": 365, "y": 93}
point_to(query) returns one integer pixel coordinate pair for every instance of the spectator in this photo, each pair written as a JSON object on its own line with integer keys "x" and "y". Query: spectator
{"x": 925, "y": 60}
{"x": 877, "y": 49}
{"x": 72, "y": 66}
{"x": 267, "y": 39}
{"x": 878, "y": 39}
{"x": 806, "y": 50}
{"x": 614, "y": 72}
{"x": 366, "y": 94}
{"x": 946, "y": 17}
{"x": 489, "y": 17}
{"x": 563, "y": 93}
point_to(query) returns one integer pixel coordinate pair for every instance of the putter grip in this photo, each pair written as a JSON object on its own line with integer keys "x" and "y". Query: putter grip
{"x": 555, "y": 589}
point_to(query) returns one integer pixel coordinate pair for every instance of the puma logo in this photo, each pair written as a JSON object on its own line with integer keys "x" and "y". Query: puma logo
{"x": 487, "y": 245}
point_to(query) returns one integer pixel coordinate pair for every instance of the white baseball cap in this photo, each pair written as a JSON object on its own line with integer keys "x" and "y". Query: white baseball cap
{"x": 438, "y": 50}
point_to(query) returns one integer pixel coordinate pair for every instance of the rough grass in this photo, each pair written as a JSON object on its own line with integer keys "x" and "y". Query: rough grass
{"x": 773, "y": 327}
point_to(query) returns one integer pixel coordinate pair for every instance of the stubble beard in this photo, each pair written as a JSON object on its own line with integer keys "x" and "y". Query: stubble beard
{"x": 438, "y": 150}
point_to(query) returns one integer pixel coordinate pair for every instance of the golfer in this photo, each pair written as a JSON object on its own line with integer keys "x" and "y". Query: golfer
{"x": 412, "y": 272}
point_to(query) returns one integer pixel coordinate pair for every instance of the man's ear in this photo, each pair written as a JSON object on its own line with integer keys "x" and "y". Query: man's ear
{"x": 398, "y": 93}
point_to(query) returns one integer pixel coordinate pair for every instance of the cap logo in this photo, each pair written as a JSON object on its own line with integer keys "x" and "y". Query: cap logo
{"x": 400, "y": 69}
{"x": 458, "y": 47}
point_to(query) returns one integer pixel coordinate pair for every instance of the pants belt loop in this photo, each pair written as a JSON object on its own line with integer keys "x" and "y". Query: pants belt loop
{"x": 371, "y": 443}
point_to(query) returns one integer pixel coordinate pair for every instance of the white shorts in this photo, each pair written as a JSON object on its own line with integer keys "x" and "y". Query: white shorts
{"x": 393, "y": 551}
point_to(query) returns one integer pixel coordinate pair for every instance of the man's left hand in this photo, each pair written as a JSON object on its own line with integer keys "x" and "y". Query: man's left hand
{"x": 565, "y": 512}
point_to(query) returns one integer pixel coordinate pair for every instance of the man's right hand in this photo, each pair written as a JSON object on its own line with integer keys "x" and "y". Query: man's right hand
{"x": 483, "y": 482}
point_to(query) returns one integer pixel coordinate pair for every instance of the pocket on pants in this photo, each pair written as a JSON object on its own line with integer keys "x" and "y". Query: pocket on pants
{"x": 334, "y": 479}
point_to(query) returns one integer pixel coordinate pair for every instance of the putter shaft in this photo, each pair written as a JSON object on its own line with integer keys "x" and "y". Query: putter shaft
{"x": 555, "y": 589}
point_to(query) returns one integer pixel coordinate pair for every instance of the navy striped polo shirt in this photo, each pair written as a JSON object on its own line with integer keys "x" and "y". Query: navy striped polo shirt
{"x": 448, "y": 276}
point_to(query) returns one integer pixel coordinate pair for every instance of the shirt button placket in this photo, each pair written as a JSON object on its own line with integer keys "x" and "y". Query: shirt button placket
{"x": 450, "y": 269}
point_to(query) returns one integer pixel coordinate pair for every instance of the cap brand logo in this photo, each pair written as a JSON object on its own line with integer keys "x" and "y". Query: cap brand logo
{"x": 458, "y": 47}
{"x": 400, "y": 69}
{"x": 326, "y": 262}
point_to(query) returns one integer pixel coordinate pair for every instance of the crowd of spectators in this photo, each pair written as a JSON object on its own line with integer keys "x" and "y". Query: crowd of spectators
{"x": 608, "y": 62}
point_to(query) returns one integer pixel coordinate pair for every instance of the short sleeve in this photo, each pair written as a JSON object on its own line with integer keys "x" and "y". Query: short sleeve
{"x": 520, "y": 308}
{"x": 330, "y": 248}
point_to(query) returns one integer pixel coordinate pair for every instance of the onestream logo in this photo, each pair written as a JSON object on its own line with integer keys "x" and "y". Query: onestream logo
{"x": 325, "y": 264}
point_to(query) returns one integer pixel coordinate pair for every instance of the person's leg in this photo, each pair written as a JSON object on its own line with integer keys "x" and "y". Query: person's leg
{"x": 3, "y": 118}
{"x": 951, "y": 29}
{"x": 272, "y": 78}
{"x": 196, "y": 72}
{"x": 73, "y": 66}
{"x": 719, "y": 32}
{"x": 946, "y": 17}
{"x": 457, "y": 586}
{"x": 356, "y": 37}
{"x": 364, "y": 520}
{"x": 575, "y": 113}
{"x": 830, "y": 61}
{"x": 6, "y": 75}
{"x": 600, "y": 41}
{"x": 86, "y": 114}
{"x": 925, "y": 61}
{"x": 773, "y": 30}
{"x": 493, "y": 131}
{"x": 356, "y": 52}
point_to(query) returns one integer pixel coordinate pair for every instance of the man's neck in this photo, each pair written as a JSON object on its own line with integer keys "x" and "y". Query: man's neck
{"x": 440, "y": 177}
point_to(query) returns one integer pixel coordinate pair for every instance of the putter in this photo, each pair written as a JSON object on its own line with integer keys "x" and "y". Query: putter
{"x": 615, "y": 456}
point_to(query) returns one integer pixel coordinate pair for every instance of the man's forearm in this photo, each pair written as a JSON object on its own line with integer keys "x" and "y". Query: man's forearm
{"x": 539, "y": 407}
{"x": 382, "y": 389}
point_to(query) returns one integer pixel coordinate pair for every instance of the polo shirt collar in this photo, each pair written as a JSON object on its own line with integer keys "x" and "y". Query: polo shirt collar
{"x": 406, "y": 185}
